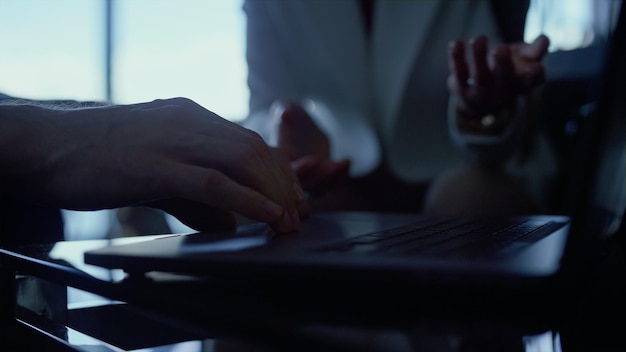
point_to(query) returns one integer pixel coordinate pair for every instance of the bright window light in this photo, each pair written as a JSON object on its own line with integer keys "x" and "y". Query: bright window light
{"x": 183, "y": 48}
{"x": 568, "y": 27}
{"x": 52, "y": 49}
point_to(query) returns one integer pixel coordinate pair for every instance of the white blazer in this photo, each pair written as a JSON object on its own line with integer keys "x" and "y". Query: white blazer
{"x": 386, "y": 100}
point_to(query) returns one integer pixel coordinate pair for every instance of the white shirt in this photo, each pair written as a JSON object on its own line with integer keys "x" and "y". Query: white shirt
{"x": 385, "y": 98}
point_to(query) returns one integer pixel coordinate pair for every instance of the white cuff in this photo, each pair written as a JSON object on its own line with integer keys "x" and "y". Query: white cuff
{"x": 486, "y": 148}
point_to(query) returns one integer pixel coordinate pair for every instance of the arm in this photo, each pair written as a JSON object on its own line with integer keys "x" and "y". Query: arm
{"x": 170, "y": 154}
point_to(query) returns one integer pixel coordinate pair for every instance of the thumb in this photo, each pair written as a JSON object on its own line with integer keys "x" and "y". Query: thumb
{"x": 535, "y": 50}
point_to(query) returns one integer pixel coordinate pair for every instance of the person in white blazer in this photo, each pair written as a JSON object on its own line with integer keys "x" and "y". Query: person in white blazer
{"x": 374, "y": 104}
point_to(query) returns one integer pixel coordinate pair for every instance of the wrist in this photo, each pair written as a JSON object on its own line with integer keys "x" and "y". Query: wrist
{"x": 486, "y": 138}
{"x": 489, "y": 123}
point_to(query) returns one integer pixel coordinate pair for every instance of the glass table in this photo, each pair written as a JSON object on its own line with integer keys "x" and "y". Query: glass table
{"x": 49, "y": 295}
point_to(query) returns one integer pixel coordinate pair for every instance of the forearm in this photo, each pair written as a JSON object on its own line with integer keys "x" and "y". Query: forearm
{"x": 21, "y": 143}
{"x": 33, "y": 134}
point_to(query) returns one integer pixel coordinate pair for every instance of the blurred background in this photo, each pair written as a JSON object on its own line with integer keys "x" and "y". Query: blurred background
{"x": 139, "y": 50}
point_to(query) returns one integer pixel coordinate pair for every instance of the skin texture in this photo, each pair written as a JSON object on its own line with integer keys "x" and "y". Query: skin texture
{"x": 168, "y": 154}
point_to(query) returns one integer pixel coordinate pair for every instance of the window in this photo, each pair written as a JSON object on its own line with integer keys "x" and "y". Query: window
{"x": 159, "y": 49}
{"x": 190, "y": 48}
{"x": 52, "y": 49}
{"x": 574, "y": 25}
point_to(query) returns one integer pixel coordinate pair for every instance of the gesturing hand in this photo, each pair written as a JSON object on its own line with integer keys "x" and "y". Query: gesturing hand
{"x": 489, "y": 80}
{"x": 307, "y": 148}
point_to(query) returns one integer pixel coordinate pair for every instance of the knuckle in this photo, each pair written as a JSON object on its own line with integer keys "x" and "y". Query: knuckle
{"x": 255, "y": 145}
{"x": 252, "y": 153}
{"x": 213, "y": 180}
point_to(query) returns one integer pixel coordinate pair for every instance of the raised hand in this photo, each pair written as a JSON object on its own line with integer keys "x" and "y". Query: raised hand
{"x": 307, "y": 148}
{"x": 486, "y": 81}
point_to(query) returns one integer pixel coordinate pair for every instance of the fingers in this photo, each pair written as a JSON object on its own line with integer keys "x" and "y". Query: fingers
{"x": 459, "y": 70}
{"x": 472, "y": 78}
{"x": 248, "y": 169}
{"x": 214, "y": 189}
{"x": 480, "y": 73}
{"x": 529, "y": 70}
{"x": 503, "y": 75}
{"x": 535, "y": 50}
{"x": 292, "y": 122}
{"x": 491, "y": 79}
{"x": 291, "y": 114}
{"x": 288, "y": 191}
{"x": 298, "y": 134}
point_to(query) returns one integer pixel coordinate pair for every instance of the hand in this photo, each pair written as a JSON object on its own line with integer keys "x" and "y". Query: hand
{"x": 171, "y": 154}
{"x": 493, "y": 79}
{"x": 307, "y": 147}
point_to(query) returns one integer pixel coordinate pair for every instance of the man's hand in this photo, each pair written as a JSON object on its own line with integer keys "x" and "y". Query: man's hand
{"x": 172, "y": 154}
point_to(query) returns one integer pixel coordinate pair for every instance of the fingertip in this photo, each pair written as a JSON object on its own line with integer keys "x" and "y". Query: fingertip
{"x": 290, "y": 113}
{"x": 537, "y": 48}
{"x": 478, "y": 41}
{"x": 542, "y": 38}
{"x": 501, "y": 52}
{"x": 280, "y": 107}
{"x": 544, "y": 44}
{"x": 457, "y": 48}
{"x": 299, "y": 192}
{"x": 289, "y": 222}
{"x": 305, "y": 163}
{"x": 541, "y": 43}
{"x": 273, "y": 211}
{"x": 304, "y": 210}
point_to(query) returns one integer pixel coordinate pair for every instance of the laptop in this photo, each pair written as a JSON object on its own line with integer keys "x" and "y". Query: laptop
{"x": 413, "y": 255}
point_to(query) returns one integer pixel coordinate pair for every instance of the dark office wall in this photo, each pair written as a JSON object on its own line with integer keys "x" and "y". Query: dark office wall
{"x": 510, "y": 16}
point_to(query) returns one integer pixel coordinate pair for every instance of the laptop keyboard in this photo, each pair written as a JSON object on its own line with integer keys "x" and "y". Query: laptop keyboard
{"x": 449, "y": 237}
